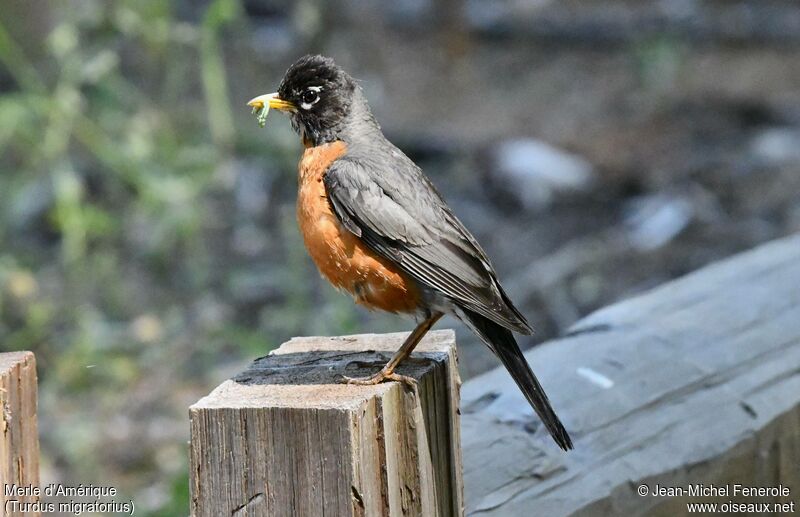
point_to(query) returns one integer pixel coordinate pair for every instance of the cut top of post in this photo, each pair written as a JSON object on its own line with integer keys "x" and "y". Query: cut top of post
{"x": 287, "y": 437}
{"x": 291, "y": 377}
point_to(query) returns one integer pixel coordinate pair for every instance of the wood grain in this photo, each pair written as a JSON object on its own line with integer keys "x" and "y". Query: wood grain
{"x": 697, "y": 381}
{"x": 285, "y": 437}
{"x": 19, "y": 437}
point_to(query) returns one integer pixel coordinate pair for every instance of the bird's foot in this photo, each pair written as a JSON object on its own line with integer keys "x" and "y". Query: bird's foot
{"x": 381, "y": 376}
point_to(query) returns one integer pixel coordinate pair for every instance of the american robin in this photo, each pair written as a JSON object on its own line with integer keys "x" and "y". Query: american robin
{"x": 377, "y": 228}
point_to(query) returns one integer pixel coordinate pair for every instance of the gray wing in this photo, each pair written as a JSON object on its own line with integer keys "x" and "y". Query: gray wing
{"x": 397, "y": 212}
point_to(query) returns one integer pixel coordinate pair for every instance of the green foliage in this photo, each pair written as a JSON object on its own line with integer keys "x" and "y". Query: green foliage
{"x": 118, "y": 169}
{"x": 120, "y": 156}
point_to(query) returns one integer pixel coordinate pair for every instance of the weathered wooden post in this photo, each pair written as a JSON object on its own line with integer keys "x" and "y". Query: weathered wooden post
{"x": 285, "y": 437}
{"x": 19, "y": 437}
{"x": 694, "y": 384}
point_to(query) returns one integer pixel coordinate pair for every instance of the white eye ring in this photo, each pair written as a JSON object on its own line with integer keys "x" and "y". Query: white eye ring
{"x": 313, "y": 99}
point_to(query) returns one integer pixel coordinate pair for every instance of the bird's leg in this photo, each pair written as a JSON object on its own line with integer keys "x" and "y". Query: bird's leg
{"x": 387, "y": 372}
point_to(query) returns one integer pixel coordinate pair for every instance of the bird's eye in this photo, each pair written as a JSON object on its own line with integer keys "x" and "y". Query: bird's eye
{"x": 310, "y": 97}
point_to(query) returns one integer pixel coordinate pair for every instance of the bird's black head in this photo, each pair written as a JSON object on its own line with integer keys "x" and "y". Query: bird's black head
{"x": 318, "y": 95}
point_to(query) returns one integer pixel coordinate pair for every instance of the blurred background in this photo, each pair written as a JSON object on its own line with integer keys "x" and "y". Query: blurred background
{"x": 148, "y": 244}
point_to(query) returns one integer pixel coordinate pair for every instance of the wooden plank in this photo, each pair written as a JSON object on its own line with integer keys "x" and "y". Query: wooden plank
{"x": 694, "y": 382}
{"x": 19, "y": 437}
{"x": 285, "y": 437}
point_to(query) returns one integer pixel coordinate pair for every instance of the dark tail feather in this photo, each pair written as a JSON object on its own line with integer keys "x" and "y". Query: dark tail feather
{"x": 501, "y": 341}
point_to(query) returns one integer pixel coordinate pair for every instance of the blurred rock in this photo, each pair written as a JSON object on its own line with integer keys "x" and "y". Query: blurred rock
{"x": 777, "y": 145}
{"x": 531, "y": 174}
{"x": 653, "y": 221}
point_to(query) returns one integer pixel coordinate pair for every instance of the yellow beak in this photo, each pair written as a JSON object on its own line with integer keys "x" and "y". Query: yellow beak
{"x": 272, "y": 101}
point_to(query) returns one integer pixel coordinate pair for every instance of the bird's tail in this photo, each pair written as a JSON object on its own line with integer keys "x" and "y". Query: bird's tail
{"x": 501, "y": 341}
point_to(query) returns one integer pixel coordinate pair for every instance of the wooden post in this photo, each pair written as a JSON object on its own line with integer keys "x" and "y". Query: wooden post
{"x": 19, "y": 438}
{"x": 285, "y": 437}
{"x": 694, "y": 383}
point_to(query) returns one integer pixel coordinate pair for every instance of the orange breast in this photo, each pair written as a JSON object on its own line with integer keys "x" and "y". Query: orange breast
{"x": 341, "y": 257}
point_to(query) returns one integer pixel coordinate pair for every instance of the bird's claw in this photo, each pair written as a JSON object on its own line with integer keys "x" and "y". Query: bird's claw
{"x": 381, "y": 376}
